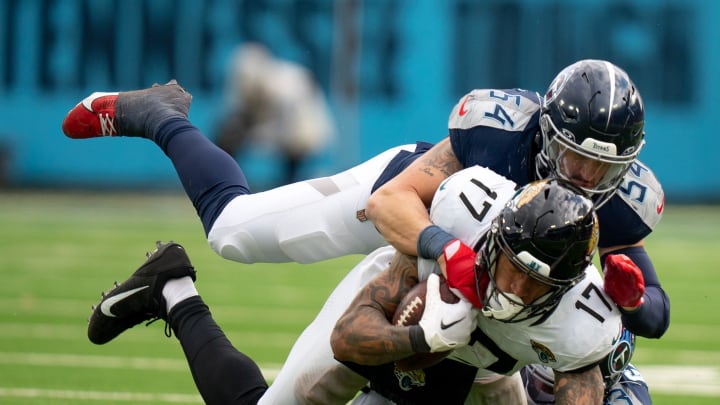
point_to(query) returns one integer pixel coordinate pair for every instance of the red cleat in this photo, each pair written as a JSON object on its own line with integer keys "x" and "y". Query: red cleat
{"x": 92, "y": 117}
{"x": 129, "y": 113}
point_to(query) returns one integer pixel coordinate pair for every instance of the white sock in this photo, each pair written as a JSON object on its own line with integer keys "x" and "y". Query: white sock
{"x": 178, "y": 289}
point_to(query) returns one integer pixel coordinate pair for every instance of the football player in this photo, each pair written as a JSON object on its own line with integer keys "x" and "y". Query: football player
{"x": 542, "y": 301}
{"x": 457, "y": 210}
{"x": 533, "y": 269}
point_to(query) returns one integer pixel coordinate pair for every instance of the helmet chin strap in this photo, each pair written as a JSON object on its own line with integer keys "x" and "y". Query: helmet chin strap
{"x": 499, "y": 306}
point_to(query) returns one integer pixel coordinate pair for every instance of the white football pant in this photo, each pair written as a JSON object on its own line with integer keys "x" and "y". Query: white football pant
{"x": 304, "y": 222}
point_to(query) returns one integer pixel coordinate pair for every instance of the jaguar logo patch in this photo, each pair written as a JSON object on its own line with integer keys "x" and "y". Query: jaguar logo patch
{"x": 408, "y": 380}
{"x": 545, "y": 355}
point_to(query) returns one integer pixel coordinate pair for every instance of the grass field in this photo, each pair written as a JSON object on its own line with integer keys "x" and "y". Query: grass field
{"x": 60, "y": 250}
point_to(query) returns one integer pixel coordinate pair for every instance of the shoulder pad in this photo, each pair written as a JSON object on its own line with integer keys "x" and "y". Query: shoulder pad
{"x": 642, "y": 191}
{"x": 509, "y": 109}
{"x": 466, "y": 202}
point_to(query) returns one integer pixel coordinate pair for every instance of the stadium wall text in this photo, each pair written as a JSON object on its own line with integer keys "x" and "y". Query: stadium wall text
{"x": 392, "y": 70}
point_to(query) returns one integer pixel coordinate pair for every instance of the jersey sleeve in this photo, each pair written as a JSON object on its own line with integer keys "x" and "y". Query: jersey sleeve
{"x": 635, "y": 209}
{"x": 496, "y": 129}
{"x": 466, "y": 202}
{"x": 464, "y": 205}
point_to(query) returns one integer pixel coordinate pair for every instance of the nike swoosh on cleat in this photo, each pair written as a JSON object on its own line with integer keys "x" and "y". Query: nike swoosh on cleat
{"x": 106, "y": 305}
{"x": 87, "y": 101}
{"x": 444, "y": 325}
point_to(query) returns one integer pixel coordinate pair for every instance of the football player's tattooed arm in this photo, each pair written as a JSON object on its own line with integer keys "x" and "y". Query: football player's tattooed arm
{"x": 584, "y": 387}
{"x": 399, "y": 209}
{"x": 364, "y": 334}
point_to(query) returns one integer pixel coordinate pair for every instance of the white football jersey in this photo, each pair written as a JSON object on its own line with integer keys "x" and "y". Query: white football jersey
{"x": 579, "y": 332}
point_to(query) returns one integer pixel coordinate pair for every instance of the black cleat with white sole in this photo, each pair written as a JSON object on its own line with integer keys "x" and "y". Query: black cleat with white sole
{"x": 139, "y": 298}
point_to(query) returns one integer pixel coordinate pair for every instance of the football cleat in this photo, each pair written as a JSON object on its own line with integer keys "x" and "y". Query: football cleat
{"x": 92, "y": 117}
{"x": 139, "y": 298}
{"x": 130, "y": 113}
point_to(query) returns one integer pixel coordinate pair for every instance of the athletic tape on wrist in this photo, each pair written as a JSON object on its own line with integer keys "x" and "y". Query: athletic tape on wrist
{"x": 432, "y": 241}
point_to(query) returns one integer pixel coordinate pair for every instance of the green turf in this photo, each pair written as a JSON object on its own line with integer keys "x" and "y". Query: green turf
{"x": 59, "y": 250}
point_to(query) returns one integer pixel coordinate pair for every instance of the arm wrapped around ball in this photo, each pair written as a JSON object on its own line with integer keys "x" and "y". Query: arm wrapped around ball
{"x": 379, "y": 328}
{"x": 446, "y": 326}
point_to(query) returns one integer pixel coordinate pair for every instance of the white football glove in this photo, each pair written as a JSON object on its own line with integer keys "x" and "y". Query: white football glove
{"x": 446, "y": 326}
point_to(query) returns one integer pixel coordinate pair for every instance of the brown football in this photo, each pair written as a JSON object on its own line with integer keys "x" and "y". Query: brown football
{"x": 409, "y": 312}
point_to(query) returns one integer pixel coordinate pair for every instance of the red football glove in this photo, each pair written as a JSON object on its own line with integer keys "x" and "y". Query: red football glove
{"x": 624, "y": 282}
{"x": 460, "y": 269}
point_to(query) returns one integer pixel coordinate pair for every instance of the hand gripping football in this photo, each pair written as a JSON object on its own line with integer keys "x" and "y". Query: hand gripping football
{"x": 409, "y": 312}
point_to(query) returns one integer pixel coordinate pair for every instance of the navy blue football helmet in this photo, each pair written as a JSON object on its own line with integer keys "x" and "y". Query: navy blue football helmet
{"x": 591, "y": 123}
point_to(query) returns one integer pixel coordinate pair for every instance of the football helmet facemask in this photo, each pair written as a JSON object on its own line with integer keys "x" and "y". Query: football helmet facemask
{"x": 549, "y": 231}
{"x": 591, "y": 123}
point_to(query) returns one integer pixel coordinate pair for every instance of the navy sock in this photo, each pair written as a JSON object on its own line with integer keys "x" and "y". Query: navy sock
{"x": 222, "y": 374}
{"x": 211, "y": 178}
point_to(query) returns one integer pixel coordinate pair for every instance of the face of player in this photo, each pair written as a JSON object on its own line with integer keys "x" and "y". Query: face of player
{"x": 581, "y": 170}
{"x": 512, "y": 280}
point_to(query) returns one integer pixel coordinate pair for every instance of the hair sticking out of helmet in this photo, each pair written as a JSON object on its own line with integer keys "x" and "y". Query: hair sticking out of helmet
{"x": 592, "y": 126}
{"x": 549, "y": 231}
